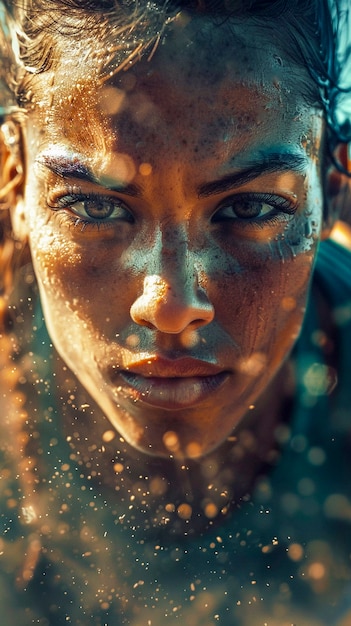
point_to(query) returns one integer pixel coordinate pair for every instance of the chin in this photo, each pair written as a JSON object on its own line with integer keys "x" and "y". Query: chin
{"x": 172, "y": 444}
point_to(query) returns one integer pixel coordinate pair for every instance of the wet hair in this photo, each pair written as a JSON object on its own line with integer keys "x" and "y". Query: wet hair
{"x": 317, "y": 33}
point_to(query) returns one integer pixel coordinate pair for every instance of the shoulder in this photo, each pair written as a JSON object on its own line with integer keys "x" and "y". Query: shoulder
{"x": 333, "y": 273}
{"x": 323, "y": 353}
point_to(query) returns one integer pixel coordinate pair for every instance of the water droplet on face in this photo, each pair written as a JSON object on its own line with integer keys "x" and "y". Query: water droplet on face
{"x": 308, "y": 230}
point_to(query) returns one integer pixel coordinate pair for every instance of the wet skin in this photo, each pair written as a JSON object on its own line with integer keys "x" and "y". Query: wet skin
{"x": 174, "y": 281}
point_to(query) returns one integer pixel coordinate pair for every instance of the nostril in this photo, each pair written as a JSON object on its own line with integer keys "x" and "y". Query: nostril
{"x": 198, "y": 323}
{"x": 147, "y": 324}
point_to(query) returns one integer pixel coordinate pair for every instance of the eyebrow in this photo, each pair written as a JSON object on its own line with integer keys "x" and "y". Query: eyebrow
{"x": 71, "y": 166}
{"x": 269, "y": 163}
{"x": 67, "y": 166}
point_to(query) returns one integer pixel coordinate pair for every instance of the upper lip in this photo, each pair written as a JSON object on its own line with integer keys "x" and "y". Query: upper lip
{"x": 184, "y": 367}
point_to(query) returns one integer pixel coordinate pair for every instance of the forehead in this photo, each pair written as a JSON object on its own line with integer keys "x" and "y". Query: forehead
{"x": 198, "y": 48}
{"x": 213, "y": 54}
{"x": 204, "y": 83}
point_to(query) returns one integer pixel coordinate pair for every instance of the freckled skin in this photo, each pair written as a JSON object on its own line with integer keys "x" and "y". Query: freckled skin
{"x": 224, "y": 280}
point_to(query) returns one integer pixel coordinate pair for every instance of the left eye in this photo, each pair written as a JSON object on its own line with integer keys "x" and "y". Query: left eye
{"x": 253, "y": 207}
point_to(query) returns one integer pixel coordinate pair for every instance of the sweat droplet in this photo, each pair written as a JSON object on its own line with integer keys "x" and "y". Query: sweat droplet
{"x": 308, "y": 229}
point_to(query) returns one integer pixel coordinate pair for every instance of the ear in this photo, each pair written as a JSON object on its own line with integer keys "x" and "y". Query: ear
{"x": 337, "y": 189}
{"x": 12, "y": 176}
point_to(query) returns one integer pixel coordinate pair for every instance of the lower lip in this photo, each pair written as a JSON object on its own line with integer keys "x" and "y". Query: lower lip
{"x": 172, "y": 393}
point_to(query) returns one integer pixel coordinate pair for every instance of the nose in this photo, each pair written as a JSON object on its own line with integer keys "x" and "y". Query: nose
{"x": 168, "y": 309}
{"x": 172, "y": 300}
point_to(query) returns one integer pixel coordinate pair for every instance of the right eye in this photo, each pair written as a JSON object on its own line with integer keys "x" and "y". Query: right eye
{"x": 93, "y": 208}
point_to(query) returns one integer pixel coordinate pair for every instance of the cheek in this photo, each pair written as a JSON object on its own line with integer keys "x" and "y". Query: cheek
{"x": 83, "y": 286}
{"x": 260, "y": 297}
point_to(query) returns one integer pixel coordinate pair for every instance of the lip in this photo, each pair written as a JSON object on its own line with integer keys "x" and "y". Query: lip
{"x": 171, "y": 384}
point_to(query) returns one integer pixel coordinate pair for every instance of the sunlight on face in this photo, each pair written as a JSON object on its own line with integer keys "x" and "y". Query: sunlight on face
{"x": 173, "y": 220}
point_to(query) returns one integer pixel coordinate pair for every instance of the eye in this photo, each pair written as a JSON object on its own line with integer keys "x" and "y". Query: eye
{"x": 254, "y": 207}
{"x": 93, "y": 208}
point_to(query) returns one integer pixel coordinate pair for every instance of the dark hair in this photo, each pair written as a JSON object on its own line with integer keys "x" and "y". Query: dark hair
{"x": 319, "y": 33}
{"x": 319, "y": 30}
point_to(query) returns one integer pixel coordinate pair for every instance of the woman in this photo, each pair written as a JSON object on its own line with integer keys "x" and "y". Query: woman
{"x": 181, "y": 450}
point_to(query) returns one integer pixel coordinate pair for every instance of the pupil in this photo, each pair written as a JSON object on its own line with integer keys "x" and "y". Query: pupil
{"x": 98, "y": 210}
{"x": 249, "y": 209}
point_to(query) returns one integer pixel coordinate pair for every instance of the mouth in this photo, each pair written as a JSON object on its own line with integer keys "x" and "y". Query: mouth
{"x": 171, "y": 384}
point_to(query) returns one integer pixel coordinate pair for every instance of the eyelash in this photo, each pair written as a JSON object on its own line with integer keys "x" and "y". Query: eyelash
{"x": 279, "y": 205}
{"x": 72, "y": 197}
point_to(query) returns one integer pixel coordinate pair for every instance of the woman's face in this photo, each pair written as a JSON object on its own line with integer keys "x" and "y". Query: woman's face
{"x": 173, "y": 213}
